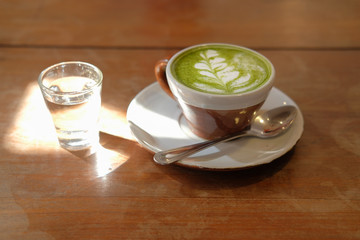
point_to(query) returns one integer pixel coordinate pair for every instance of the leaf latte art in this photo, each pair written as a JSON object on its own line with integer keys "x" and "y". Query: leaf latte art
{"x": 221, "y": 70}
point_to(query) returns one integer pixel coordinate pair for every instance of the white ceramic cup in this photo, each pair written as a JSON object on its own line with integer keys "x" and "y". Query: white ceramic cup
{"x": 213, "y": 115}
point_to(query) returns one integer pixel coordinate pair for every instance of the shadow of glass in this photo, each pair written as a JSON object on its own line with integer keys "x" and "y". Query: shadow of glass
{"x": 105, "y": 157}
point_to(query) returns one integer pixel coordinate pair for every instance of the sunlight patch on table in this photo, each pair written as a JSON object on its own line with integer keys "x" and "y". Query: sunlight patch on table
{"x": 113, "y": 121}
{"x": 107, "y": 161}
{"x": 32, "y": 129}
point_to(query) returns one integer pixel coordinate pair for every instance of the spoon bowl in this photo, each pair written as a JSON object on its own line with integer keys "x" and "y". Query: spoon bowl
{"x": 273, "y": 122}
{"x": 265, "y": 125}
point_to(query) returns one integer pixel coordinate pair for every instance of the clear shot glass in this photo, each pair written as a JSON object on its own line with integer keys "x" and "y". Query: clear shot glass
{"x": 72, "y": 93}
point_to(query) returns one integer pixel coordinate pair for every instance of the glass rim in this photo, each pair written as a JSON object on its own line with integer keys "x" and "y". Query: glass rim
{"x": 49, "y": 90}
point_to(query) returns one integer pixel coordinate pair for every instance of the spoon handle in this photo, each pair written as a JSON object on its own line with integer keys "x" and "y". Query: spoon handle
{"x": 173, "y": 155}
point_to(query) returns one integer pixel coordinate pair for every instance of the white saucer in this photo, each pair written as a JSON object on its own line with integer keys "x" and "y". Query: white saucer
{"x": 160, "y": 126}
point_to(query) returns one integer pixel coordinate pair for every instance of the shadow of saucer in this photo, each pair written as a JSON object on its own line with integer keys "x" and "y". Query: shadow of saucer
{"x": 230, "y": 178}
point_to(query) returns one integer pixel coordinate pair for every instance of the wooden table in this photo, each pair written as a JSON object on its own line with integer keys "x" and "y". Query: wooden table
{"x": 46, "y": 192}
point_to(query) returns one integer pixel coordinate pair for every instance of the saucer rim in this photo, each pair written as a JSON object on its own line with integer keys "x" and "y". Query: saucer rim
{"x": 266, "y": 160}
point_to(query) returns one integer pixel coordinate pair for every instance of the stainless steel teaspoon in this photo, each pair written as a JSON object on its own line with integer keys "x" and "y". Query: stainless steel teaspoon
{"x": 266, "y": 125}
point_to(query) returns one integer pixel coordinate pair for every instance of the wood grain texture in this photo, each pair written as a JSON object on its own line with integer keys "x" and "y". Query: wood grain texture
{"x": 48, "y": 193}
{"x": 139, "y": 23}
{"x": 310, "y": 193}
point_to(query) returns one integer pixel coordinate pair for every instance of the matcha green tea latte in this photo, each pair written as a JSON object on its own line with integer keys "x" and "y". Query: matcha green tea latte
{"x": 221, "y": 69}
{"x": 219, "y": 87}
